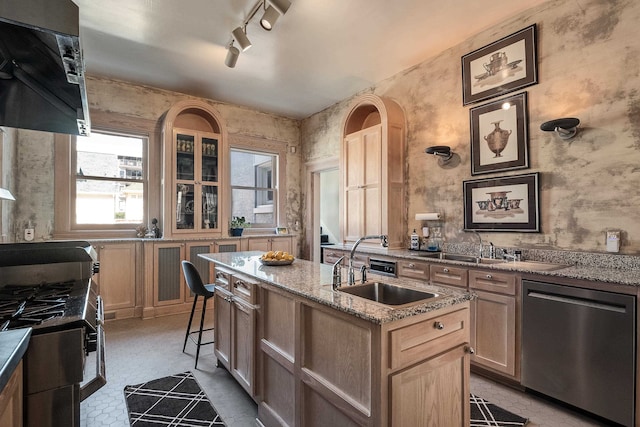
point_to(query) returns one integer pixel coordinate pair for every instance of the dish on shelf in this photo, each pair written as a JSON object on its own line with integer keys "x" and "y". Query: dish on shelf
{"x": 188, "y": 208}
{"x": 276, "y": 262}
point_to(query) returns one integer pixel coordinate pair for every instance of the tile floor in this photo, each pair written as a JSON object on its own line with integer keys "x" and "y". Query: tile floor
{"x": 141, "y": 350}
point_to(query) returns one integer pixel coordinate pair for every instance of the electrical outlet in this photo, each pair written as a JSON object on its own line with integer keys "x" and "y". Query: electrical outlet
{"x": 613, "y": 241}
{"x": 28, "y": 234}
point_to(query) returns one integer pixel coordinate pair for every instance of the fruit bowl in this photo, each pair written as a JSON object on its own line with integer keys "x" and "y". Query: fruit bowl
{"x": 275, "y": 262}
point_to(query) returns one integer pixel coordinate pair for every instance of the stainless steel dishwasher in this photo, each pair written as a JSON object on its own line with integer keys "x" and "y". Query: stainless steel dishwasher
{"x": 579, "y": 346}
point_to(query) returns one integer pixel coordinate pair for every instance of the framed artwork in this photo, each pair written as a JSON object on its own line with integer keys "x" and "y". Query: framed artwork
{"x": 500, "y": 135}
{"x": 507, "y": 203}
{"x": 282, "y": 230}
{"x": 501, "y": 67}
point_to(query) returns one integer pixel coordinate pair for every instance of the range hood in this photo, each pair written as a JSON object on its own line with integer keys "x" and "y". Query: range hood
{"x": 41, "y": 67}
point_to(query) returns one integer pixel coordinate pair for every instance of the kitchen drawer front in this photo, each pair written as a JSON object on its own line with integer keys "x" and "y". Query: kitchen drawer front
{"x": 422, "y": 340}
{"x": 331, "y": 256}
{"x": 501, "y": 283}
{"x": 223, "y": 278}
{"x": 359, "y": 260}
{"x": 244, "y": 289}
{"x": 448, "y": 275}
{"x": 413, "y": 269}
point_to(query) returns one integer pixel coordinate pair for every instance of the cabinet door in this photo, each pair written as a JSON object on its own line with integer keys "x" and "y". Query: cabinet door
{"x": 117, "y": 278}
{"x": 222, "y": 331}
{"x": 260, "y": 244}
{"x": 168, "y": 278}
{"x": 440, "y": 382}
{"x": 281, "y": 244}
{"x": 243, "y": 340}
{"x": 493, "y": 334}
{"x": 362, "y": 183}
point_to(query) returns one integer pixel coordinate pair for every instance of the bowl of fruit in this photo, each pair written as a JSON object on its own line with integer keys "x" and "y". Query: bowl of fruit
{"x": 276, "y": 258}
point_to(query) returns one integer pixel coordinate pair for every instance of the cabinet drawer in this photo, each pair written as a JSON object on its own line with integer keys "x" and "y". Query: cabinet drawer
{"x": 359, "y": 260}
{"x": 422, "y": 340}
{"x": 331, "y": 256}
{"x": 244, "y": 289}
{"x": 502, "y": 283}
{"x": 413, "y": 269}
{"x": 223, "y": 278}
{"x": 448, "y": 275}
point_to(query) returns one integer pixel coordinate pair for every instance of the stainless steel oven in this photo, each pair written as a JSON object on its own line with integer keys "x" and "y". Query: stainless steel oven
{"x": 49, "y": 288}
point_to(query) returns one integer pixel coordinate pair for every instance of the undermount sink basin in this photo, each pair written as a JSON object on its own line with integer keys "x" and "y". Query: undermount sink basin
{"x": 462, "y": 258}
{"x": 387, "y": 294}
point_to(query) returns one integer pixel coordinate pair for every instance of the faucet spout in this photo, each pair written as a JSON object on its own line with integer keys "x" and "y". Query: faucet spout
{"x": 384, "y": 241}
{"x": 481, "y": 243}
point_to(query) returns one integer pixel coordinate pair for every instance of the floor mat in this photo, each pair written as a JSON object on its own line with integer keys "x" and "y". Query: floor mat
{"x": 176, "y": 401}
{"x": 484, "y": 413}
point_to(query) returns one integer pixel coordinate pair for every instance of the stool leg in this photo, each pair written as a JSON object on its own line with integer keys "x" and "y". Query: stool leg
{"x": 186, "y": 336}
{"x": 204, "y": 309}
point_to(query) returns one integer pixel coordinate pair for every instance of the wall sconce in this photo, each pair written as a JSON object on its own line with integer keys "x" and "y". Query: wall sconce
{"x": 443, "y": 152}
{"x": 566, "y": 128}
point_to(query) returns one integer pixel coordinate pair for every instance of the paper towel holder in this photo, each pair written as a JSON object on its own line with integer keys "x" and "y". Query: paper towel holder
{"x": 443, "y": 152}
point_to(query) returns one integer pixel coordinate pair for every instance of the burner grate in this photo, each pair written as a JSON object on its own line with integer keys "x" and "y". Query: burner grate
{"x": 29, "y": 305}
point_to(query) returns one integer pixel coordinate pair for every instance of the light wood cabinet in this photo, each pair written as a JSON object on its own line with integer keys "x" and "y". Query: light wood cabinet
{"x": 372, "y": 171}
{"x": 271, "y": 243}
{"x": 413, "y": 269}
{"x": 11, "y": 402}
{"x": 117, "y": 278}
{"x": 494, "y": 321}
{"x": 194, "y": 171}
{"x": 235, "y": 326}
{"x": 448, "y": 275}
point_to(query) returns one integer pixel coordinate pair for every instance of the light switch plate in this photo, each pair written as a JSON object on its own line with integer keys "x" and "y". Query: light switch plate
{"x": 28, "y": 234}
{"x": 613, "y": 241}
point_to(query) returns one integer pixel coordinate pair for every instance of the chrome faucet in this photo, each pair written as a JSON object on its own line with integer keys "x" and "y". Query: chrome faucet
{"x": 481, "y": 243}
{"x": 363, "y": 273}
{"x": 337, "y": 273}
{"x": 383, "y": 241}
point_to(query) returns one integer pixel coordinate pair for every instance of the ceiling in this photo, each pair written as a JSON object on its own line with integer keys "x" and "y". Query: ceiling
{"x": 319, "y": 53}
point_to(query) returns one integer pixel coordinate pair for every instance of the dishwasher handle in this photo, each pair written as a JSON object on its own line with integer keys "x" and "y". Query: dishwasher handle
{"x": 577, "y": 301}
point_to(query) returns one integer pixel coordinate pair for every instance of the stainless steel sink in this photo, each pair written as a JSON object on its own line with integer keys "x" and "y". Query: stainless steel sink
{"x": 387, "y": 294}
{"x": 462, "y": 258}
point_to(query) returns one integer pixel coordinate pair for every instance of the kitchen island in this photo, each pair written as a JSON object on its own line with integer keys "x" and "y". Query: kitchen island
{"x": 310, "y": 355}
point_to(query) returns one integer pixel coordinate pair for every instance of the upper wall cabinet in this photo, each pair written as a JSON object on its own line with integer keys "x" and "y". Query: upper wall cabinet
{"x": 194, "y": 170}
{"x": 372, "y": 170}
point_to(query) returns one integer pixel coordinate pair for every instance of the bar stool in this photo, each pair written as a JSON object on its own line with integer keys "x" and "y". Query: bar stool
{"x": 194, "y": 281}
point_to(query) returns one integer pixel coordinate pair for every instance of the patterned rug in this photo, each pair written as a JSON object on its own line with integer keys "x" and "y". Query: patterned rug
{"x": 485, "y": 414}
{"x": 175, "y": 401}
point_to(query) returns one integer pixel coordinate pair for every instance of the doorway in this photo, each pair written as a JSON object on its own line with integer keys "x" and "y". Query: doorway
{"x": 323, "y": 214}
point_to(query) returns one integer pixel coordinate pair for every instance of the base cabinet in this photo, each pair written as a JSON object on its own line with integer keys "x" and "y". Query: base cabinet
{"x": 117, "y": 278}
{"x": 11, "y": 402}
{"x": 272, "y": 243}
{"x": 364, "y": 375}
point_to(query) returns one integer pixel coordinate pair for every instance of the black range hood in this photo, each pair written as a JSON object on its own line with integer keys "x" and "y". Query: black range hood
{"x": 42, "y": 83}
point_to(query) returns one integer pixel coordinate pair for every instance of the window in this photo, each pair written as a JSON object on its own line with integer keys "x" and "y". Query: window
{"x": 254, "y": 187}
{"x": 109, "y": 180}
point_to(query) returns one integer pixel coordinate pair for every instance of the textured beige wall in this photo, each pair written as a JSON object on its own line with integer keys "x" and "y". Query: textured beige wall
{"x": 34, "y": 173}
{"x": 588, "y": 67}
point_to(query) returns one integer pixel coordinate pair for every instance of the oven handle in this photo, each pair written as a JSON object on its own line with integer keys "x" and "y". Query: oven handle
{"x": 100, "y": 379}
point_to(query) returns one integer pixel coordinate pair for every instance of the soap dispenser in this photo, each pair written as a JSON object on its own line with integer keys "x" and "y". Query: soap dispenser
{"x": 415, "y": 241}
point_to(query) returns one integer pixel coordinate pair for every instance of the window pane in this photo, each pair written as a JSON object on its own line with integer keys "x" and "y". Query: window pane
{"x": 253, "y": 169}
{"x": 248, "y": 203}
{"x": 107, "y": 155}
{"x": 108, "y": 202}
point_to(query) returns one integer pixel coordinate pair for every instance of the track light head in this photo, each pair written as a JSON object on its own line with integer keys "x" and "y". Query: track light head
{"x": 269, "y": 18}
{"x": 240, "y": 36}
{"x": 232, "y": 56}
{"x": 280, "y": 5}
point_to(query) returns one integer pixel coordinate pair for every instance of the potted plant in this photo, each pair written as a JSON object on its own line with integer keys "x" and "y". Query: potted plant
{"x": 237, "y": 225}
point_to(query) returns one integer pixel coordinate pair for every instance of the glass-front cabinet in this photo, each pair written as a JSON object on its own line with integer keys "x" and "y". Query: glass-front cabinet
{"x": 197, "y": 181}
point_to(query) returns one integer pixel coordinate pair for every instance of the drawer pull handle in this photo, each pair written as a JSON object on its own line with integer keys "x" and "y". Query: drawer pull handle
{"x": 411, "y": 265}
{"x": 446, "y": 270}
{"x": 438, "y": 325}
{"x": 489, "y": 276}
{"x": 470, "y": 349}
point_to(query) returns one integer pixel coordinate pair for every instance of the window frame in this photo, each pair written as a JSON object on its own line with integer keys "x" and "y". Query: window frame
{"x": 267, "y": 147}
{"x": 65, "y": 174}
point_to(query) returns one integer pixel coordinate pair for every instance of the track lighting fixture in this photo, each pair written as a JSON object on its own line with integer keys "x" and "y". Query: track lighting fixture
{"x": 272, "y": 11}
{"x": 240, "y": 35}
{"x": 232, "y": 56}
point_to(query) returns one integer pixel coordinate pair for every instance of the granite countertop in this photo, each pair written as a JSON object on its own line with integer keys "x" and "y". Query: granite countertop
{"x": 13, "y": 344}
{"x": 606, "y": 268}
{"x": 312, "y": 280}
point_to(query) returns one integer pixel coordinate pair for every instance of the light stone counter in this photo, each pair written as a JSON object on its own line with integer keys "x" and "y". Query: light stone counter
{"x": 313, "y": 281}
